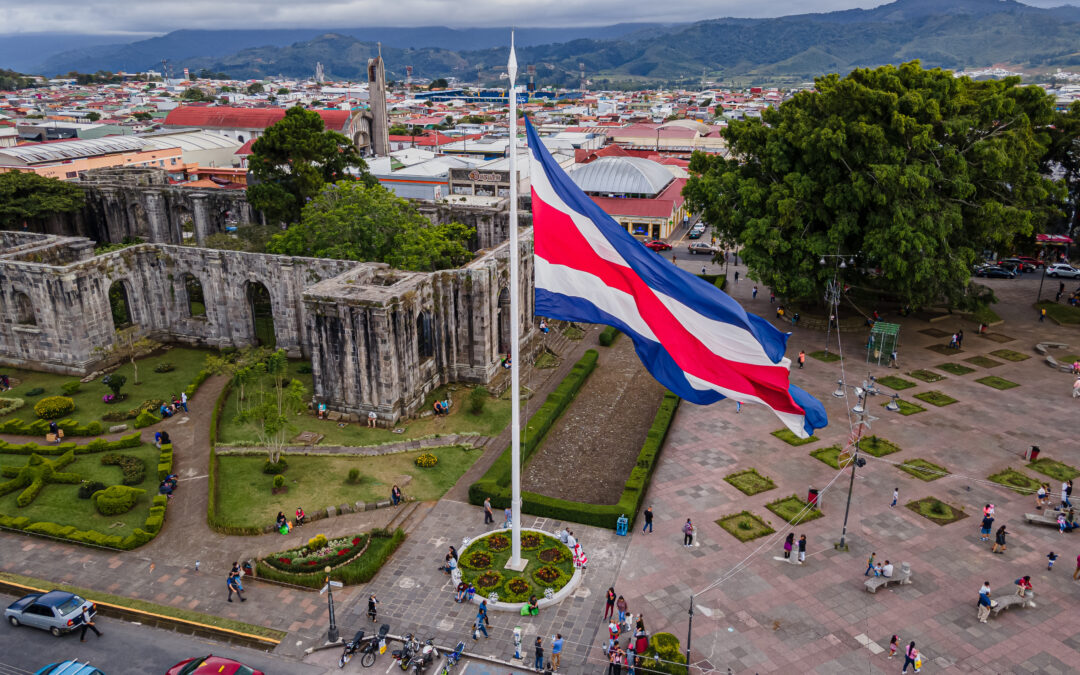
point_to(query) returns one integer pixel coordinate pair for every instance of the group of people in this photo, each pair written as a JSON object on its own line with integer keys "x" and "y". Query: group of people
{"x": 911, "y": 654}
{"x": 1042, "y": 496}
{"x": 957, "y": 340}
{"x": 799, "y": 546}
{"x": 168, "y": 485}
{"x": 450, "y": 562}
{"x": 985, "y": 604}
{"x": 5, "y": 383}
{"x": 178, "y": 403}
{"x": 234, "y": 584}
{"x": 878, "y": 569}
{"x": 616, "y": 612}
{"x": 282, "y": 524}
{"x": 465, "y": 592}
{"x": 442, "y": 407}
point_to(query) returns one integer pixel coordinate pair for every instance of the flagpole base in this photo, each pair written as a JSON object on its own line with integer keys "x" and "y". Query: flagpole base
{"x": 518, "y": 565}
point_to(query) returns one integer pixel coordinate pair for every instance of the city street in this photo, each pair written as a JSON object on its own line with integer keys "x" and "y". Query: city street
{"x": 126, "y": 649}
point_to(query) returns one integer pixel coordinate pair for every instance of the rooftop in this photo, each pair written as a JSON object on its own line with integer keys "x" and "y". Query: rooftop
{"x": 621, "y": 175}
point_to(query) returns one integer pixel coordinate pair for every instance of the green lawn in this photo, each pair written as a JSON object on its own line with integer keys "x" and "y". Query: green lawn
{"x": 88, "y": 406}
{"x": 828, "y": 455}
{"x": 907, "y": 408}
{"x": 926, "y": 375}
{"x": 59, "y": 503}
{"x": 923, "y": 470}
{"x": 1016, "y": 480}
{"x": 1054, "y": 469}
{"x": 1064, "y": 314}
{"x": 984, "y": 362}
{"x": 315, "y": 482}
{"x": 826, "y": 357}
{"x": 877, "y": 446}
{"x": 955, "y": 369}
{"x": 791, "y": 439}
{"x": 750, "y": 482}
{"x": 490, "y": 422}
{"x": 894, "y": 382}
{"x": 935, "y": 510}
{"x": 791, "y": 509}
{"x": 1010, "y": 355}
{"x": 745, "y": 526}
{"x": 934, "y": 398}
{"x": 997, "y": 382}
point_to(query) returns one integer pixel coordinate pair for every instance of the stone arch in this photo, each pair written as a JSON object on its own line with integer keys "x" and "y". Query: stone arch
{"x": 261, "y": 306}
{"x": 24, "y": 309}
{"x": 196, "y": 300}
{"x": 504, "y": 320}
{"x": 120, "y": 304}
{"x": 425, "y": 335}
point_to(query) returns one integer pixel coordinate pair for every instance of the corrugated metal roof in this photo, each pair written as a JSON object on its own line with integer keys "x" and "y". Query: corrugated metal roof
{"x": 224, "y": 117}
{"x": 58, "y": 151}
{"x": 191, "y": 141}
{"x": 621, "y": 175}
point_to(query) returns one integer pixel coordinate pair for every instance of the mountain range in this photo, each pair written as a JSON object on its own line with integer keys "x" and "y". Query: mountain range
{"x": 948, "y": 33}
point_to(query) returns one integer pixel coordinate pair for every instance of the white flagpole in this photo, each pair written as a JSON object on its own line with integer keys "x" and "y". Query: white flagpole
{"x": 515, "y": 561}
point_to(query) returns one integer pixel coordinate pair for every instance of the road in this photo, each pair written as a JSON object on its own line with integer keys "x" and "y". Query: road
{"x": 126, "y": 649}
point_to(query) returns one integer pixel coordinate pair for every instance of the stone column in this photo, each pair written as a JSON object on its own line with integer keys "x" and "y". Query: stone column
{"x": 156, "y": 219}
{"x": 200, "y": 214}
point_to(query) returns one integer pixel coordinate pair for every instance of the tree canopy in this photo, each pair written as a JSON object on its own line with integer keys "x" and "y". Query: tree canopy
{"x": 354, "y": 221}
{"x": 292, "y": 162}
{"x": 195, "y": 94}
{"x": 28, "y": 196}
{"x": 912, "y": 172}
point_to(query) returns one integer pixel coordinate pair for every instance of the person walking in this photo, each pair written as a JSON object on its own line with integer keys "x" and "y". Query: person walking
{"x": 372, "y": 610}
{"x": 183, "y": 400}
{"x": 1076, "y": 574}
{"x": 1066, "y": 492}
{"x": 999, "y": 540}
{"x": 539, "y": 650}
{"x": 984, "y": 531}
{"x": 88, "y": 624}
{"x": 609, "y": 606}
{"x": 1076, "y": 387}
{"x": 911, "y": 655}
{"x": 489, "y": 517}
{"x": 802, "y": 359}
{"x": 621, "y": 607}
{"x": 481, "y": 623}
{"x": 802, "y": 549}
{"x": 960, "y": 338}
{"x": 509, "y": 514}
{"x": 789, "y": 544}
{"x": 614, "y": 660}
{"x": 688, "y": 533}
{"x": 772, "y": 297}
{"x": 893, "y": 644}
{"x": 234, "y": 586}
{"x": 869, "y": 565}
{"x": 648, "y": 520}
{"x": 1040, "y": 496}
{"x": 702, "y": 270}
{"x": 1042, "y": 315}
{"x": 984, "y": 606}
{"x": 736, "y": 277}
{"x": 895, "y": 496}
{"x": 556, "y": 651}
{"x": 1051, "y": 558}
{"x": 753, "y": 293}
{"x": 893, "y": 361}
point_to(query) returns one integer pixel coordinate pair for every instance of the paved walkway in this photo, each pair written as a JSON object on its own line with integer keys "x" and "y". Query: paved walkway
{"x": 473, "y": 440}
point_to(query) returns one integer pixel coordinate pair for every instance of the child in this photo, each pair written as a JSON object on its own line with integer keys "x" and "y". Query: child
{"x": 893, "y": 644}
{"x": 371, "y": 611}
{"x": 1051, "y": 558}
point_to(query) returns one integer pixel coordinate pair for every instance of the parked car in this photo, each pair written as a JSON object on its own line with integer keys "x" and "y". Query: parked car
{"x": 58, "y": 612}
{"x": 702, "y": 247}
{"x": 696, "y": 234}
{"x": 1062, "y": 270}
{"x": 995, "y": 272}
{"x": 658, "y": 245}
{"x": 212, "y": 664}
{"x": 1017, "y": 264}
{"x": 69, "y": 668}
{"x": 1028, "y": 259}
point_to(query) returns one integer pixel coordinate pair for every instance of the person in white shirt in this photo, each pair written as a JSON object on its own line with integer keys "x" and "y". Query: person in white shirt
{"x": 886, "y": 570}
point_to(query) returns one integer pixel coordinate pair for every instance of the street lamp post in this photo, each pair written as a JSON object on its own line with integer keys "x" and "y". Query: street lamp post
{"x": 1039, "y": 299}
{"x": 832, "y": 297}
{"x": 332, "y": 634}
{"x": 856, "y": 461}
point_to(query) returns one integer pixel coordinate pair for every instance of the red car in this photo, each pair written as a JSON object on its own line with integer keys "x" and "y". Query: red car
{"x": 212, "y": 664}
{"x": 1031, "y": 261}
{"x": 658, "y": 245}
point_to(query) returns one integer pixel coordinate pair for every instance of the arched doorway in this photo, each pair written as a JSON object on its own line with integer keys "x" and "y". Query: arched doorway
{"x": 425, "y": 336}
{"x": 120, "y": 305}
{"x": 504, "y": 321}
{"x": 195, "y": 300}
{"x": 262, "y": 314}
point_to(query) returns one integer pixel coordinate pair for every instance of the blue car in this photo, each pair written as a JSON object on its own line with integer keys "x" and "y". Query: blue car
{"x": 58, "y": 612}
{"x": 69, "y": 668}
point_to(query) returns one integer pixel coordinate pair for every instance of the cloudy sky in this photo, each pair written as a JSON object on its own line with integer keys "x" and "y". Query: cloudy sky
{"x": 116, "y": 16}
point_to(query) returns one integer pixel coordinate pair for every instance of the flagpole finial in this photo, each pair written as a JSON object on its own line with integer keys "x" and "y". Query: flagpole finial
{"x": 512, "y": 65}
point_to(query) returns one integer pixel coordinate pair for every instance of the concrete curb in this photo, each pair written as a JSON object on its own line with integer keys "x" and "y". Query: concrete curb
{"x": 176, "y": 624}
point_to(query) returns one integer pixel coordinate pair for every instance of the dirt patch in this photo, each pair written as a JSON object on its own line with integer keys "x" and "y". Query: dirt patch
{"x": 589, "y": 453}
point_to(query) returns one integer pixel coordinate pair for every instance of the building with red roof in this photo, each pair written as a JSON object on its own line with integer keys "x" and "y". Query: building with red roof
{"x": 245, "y": 124}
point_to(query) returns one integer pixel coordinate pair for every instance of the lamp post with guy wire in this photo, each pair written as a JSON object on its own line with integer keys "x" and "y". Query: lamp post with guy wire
{"x": 832, "y": 295}
{"x": 853, "y": 442}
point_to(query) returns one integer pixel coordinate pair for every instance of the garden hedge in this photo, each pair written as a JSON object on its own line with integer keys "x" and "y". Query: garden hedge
{"x": 608, "y": 336}
{"x": 496, "y": 482}
{"x": 212, "y": 496}
{"x": 363, "y": 569}
{"x": 41, "y": 427}
{"x": 96, "y": 445}
{"x": 132, "y": 469}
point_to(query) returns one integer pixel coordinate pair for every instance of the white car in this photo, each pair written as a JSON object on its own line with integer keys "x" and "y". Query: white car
{"x": 1062, "y": 270}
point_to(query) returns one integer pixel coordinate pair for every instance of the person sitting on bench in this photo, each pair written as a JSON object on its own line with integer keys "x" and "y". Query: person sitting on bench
{"x": 887, "y": 569}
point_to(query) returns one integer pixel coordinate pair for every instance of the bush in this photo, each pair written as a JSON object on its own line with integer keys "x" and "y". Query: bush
{"x": 427, "y": 460}
{"x": 132, "y": 469}
{"x": 354, "y": 475}
{"x": 88, "y": 488}
{"x": 305, "y": 369}
{"x": 164, "y": 368}
{"x": 36, "y": 391}
{"x": 10, "y": 405}
{"x": 275, "y": 467}
{"x": 71, "y": 387}
{"x": 608, "y": 336}
{"x": 165, "y": 461}
{"x": 478, "y": 398}
{"x": 317, "y": 542}
{"x": 117, "y": 499}
{"x": 155, "y": 520}
{"x": 52, "y": 407}
{"x": 116, "y": 416}
{"x": 665, "y": 655}
{"x": 145, "y": 419}
{"x": 114, "y": 382}
{"x": 279, "y": 481}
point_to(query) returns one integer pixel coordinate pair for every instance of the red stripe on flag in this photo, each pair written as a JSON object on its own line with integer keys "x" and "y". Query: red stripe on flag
{"x": 558, "y": 240}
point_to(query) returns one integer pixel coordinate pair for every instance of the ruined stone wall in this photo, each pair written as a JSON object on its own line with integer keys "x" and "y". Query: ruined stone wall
{"x": 492, "y": 224}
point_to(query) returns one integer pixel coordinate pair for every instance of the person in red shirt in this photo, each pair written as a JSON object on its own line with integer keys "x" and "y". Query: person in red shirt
{"x": 1023, "y": 585}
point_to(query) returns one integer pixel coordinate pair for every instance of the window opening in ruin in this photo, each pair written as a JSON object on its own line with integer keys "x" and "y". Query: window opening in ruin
{"x": 262, "y": 314}
{"x": 121, "y": 306}
{"x": 504, "y": 321}
{"x": 24, "y": 310}
{"x": 425, "y": 338}
{"x": 195, "y": 300}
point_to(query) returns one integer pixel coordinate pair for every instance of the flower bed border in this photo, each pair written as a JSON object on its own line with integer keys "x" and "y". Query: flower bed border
{"x": 560, "y": 595}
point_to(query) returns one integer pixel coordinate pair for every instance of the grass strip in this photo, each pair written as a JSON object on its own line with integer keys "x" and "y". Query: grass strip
{"x": 1061, "y": 313}
{"x": 1016, "y": 481}
{"x": 936, "y": 398}
{"x": 926, "y": 375}
{"x": 827, "y": 357}
{"x": 997, "y": 382}
{"x": 791, "y": 439}
{"x": 877, "y": 446}
{"x": 955, "y": 369}
{"x": 828, "y": 455}
{"x": 936, "y": 511}
{"x": 149, "y": 607}
{"x": 745, "y": 526}
{"x": 1010, "y": 355}
{"x": 983, "y": 362}
{"x": 791, "y": 509}
{"x": 894, "y": 382}
{"x": 922, "y": 469}
{"x": 907, "y": 408}
{"x": 1054, "y": 469}
{"x": 750, "y": 482}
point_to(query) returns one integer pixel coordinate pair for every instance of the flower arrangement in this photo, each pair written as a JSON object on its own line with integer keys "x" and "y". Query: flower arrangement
{"x": 531, "y": 541}
{"x": 318, "y": 553}
{"x": 427, "y": 460}
{"x": 498, "y": 542}
{"x": 477, "y": 560}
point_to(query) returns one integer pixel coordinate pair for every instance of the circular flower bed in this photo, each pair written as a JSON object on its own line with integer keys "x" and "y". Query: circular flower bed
{"x": 477, "y": 560}
{"x": 548, "y": 576}
{"x": 498, "y": 542}
{"x": 427, "y": 460}
{"x": 530, "y": 541}
{"x": 551, "y": 555}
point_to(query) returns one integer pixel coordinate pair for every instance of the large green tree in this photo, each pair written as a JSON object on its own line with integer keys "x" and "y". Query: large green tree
{"x": 28, "y": 196}
{"x": 1064, "y": 159}
{"x": 912, "y": 172}
{"x": 292, "y": 162}
{"x": 354, "y": 221}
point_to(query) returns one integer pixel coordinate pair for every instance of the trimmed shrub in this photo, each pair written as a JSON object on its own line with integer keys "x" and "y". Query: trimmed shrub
{"x": 279, "y": 481}
{"x": 36, "y": 391}
{"x": 200, "y": 377}
{"x": 145, "y": 419}
{"x": 114, "y": 382}
{"x": 10, "y": 405}
{"x": 52, "y": 407}
{"x": 427, "y": 460}
{"x": 305, "y": 369}
{"x": 608, "y": 336}
{"x": 354, "y": 475}
{"x": 165, "y": 461}
{"x": 317, "y": 542}
{"x": 665, "y": 655}
{"x": 133, "y": 469}
{"x": 117, "y": 499}
{"x": 275, "y": 467}
{"x": 164, "y": 367}
{"x": 71, "y": 387}
{"x": 88, "y": 488}
{"x": 155, "y": 520}
{"x": 478, "y": 398}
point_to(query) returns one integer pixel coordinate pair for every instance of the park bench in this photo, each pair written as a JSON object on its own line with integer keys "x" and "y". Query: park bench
{"x": 1045, "y": 518}
{"x": 1001, "y": 604}
{"x": 901, "y": 576}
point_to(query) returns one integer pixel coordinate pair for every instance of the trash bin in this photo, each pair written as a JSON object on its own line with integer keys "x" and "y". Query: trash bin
{"x": 812, "y": 497}
{"x": 622, "y": 525}
{"x": 1032, "y": 454}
